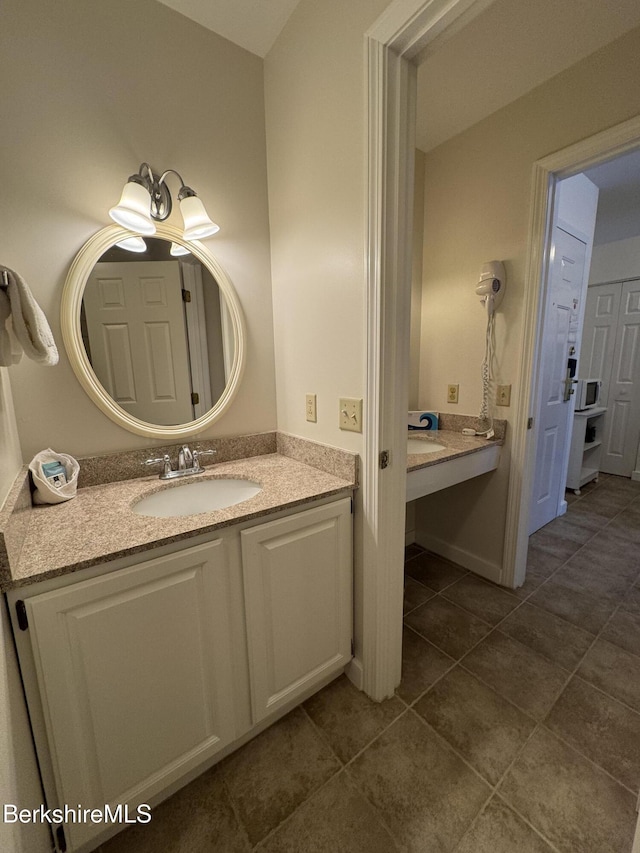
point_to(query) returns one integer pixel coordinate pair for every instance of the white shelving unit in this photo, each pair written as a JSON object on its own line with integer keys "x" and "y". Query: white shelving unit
{"x": 584, "y": 457}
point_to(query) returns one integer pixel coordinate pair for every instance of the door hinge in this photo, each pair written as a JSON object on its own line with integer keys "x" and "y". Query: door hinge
{"x": 21, "y": 610}
{"x": 186, "y": 296}
{"x": 529, "y": 423}
{"x": 61, "y": 840}
{"x": 195, "y": 398}
{"x": 384, "y": 458}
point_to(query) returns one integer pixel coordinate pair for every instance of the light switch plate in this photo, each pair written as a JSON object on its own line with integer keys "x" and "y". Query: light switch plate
{"x": 311, "y": 408}
{"x": 350, "y": 414}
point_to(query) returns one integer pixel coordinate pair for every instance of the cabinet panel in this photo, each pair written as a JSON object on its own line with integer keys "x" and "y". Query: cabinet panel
{"x": 135, "y": 677}
{"x": 298, "y": 593}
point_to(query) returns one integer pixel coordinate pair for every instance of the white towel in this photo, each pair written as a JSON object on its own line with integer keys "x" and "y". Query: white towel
{"x": 29, "y": 323}
{"x": 10, "y": 349}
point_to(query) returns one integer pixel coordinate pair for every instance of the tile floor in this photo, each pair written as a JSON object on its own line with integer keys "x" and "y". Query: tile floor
{"x": 516, "y": 726}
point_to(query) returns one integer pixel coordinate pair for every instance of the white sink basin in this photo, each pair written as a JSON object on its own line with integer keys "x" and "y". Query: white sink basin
{"x": 416, "y": 445}
{"x": 192, "y": 498}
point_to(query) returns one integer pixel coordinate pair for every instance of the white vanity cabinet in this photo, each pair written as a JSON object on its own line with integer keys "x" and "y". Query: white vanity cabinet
{"x": 134, "y": 676}
{"x": 298, "y": 598}
{"x": 138, "y": 676}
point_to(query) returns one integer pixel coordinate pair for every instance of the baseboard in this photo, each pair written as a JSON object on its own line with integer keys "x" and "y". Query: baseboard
{"x": 635, "y": 475}
{"x": 562, "y": 508}
{"x": 355, "y": 672}
{"x": 490, "y": 571}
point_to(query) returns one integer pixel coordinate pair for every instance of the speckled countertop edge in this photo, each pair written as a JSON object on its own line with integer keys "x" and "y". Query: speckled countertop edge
{"x": 99, "y": 524}
{"x": 456, "y": 445}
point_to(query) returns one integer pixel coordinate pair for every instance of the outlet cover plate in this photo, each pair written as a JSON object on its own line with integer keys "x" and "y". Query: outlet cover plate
{"x": 503, "y": 395}
{"x": 350, "y": 414}
{"x": 452, "y": 393}
{"x": 311, "y": 408}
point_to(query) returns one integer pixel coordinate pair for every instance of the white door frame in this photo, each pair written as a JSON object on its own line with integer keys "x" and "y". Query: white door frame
{"x": 546, "y": 172}
{"x": 405, "y": 29}
{"x": 392, "y": 46}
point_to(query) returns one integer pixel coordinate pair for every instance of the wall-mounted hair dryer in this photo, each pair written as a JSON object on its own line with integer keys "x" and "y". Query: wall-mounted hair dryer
{"x": 490, "y": 287}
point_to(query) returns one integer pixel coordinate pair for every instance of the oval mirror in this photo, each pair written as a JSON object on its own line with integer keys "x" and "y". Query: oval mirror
{"x": 155, "y": 333}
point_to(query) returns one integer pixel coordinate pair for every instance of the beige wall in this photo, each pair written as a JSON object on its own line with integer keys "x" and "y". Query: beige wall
{"x": 89, "y": 91}
{"x": 615, "y": 261}
{"x": 477, "y": 201}
{"x": 316, "y": 128}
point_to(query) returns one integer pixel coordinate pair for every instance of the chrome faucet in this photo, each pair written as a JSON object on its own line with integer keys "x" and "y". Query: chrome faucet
{"x": 188, "y": 463}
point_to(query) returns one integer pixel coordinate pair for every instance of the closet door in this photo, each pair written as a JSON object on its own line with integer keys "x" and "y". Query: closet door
{"x": 599, "y": 335}
{"x": 622, "y": 421}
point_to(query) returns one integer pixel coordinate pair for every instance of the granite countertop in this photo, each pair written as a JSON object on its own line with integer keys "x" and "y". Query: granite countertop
{"x": 455, "y": 444}
{"x": 99, "y": 523}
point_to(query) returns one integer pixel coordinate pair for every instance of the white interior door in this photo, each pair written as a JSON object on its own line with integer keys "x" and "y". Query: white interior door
{"x": 622, "y": 420}
{"x": 599, "y": 336}
{"x": 566, "y": 277}
{"x": 136, "y": 328}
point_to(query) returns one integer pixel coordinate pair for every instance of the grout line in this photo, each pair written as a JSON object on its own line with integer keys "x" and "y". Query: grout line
{"x": 591, "y": 761}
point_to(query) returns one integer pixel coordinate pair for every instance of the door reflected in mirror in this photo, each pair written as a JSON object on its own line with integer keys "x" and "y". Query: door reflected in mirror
{"x": 157, "y": 332}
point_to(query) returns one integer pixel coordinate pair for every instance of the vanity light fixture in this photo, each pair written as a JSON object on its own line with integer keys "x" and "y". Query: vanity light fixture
{"x": 146, "y": 198}
{"x": 132, "y": 244}
{"x": 177, "y": 250}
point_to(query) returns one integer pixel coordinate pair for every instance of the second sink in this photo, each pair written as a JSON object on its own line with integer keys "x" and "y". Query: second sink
{"x": 193, "y": 498}
{"x": 417, "y": 445}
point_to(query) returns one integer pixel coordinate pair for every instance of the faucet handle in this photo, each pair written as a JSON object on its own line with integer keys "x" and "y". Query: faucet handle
{"x": 164, "y": 460}
{"x": 196, "y": 457}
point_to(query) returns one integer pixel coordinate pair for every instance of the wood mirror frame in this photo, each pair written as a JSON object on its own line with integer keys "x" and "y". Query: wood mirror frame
{"x": 70, "y": 311}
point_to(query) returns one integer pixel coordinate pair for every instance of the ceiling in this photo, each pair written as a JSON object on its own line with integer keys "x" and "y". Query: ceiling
{"x": 517, "y": 44}
{"x": 619, "y": 199}
{"x": 252, "y": 24}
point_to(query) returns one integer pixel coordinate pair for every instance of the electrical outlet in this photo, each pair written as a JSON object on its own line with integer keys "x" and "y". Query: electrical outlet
{"x": 311, "y": 409}
{"x": 452, "y": 393}
{"x": 503, "y": 395}
{"x": 350, "y": 414}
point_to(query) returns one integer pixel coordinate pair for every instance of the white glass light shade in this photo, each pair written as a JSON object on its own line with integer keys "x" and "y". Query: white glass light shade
{"x": 133, "y": 211}
{"x": 196, "y": 220}
{"x": 133, "y": 244}
{"x": 177, "y": 250}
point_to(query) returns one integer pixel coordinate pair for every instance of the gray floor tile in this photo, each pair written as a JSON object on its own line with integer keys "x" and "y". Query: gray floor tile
{"x": 348, "y": 718}
{"x": 613, "y": 670}
{"x": 422, "y": 665}
{"x": 198, "y": 817}
{"x": 497, "y": 829}
{"x": 415, "y": 594}
{"x": 631, "y": 602}
{"x": 623, "y": 630}
{"x": 572, "y": 803}
{"x": 604, "y": 503}
{"x": 273, "y": 774}
{"x": 601, "y": 728}
{"x": 483, "y": 727}
{"x": 584, "y": 609}
{"x": 559, "y": 641}
{"x": 519, "y": 674}
{"x": 433, "y": 571}
{"x": 336, "y": 818}
{"x": 541, "y": 564}
{"x": 595, "y": 578}
{"x": 427, "y": 796}
{"x": 481, "y": 598}
{"x": 447, "y": 626}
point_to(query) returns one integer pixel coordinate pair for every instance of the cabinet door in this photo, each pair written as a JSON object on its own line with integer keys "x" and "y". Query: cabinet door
{"x": 135, "y": 678}
{"x": 298, "y": 593}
